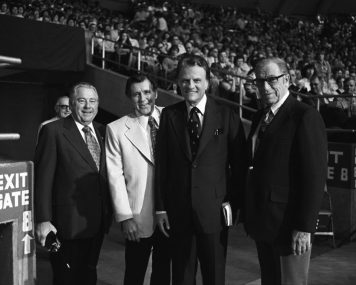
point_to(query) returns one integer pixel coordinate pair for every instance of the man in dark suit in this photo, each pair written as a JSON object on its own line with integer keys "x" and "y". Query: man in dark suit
{"x": 71, "y": 194}
{"x": 201, "y": 147}
{"x": 286, "y": 177}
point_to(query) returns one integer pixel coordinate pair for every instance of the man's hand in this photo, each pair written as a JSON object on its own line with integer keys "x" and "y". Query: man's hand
{"x": 163, "y": 223}
{"x": 300, "y": 242}
{"x": 42, "y": 230}
{"x": 130, "y": 229}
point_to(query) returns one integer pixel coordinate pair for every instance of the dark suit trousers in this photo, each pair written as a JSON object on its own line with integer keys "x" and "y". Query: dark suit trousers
{"x": 209, "y": 249}
{"x": 76, "y": 261}
{"x": 280, "y": 268}
{"x": 137, "y": 255}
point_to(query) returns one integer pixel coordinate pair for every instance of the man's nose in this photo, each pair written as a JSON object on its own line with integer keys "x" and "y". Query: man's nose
{"x": 191, "y": 83}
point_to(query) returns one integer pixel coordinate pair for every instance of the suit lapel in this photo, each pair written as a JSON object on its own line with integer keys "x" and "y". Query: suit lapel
{"x": 137, "y": 137}
{"x": 210, "y": 124}
{"x": 251, "y": 140}
{"x": 179, "y": 122}
{"x": 281, "y": 116}
{"x": 74, "y": 137}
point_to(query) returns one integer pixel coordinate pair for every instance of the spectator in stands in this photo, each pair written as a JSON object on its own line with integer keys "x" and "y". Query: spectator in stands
{"x": 322, "y": 66}
{"x": 176, "y": 41}
{"x": 130, "y": 149}
{"x": 350, "y": 89}
{"x": 161, "y": 22}
{"x": 124, "y": 51}
{"x": 4, "y": 9}
{"x": 221, "y": 67}
{"x": 61, "y": 109}
{"x": 189, "y": 47}
{"x": 170, "y": 62}
{"x": 250, "y": 95}
{"x": 241, "y": 66}
{"x": 316, "y": 88}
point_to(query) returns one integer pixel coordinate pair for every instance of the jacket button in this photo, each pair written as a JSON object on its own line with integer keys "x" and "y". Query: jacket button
{"x": 195, "y": 165}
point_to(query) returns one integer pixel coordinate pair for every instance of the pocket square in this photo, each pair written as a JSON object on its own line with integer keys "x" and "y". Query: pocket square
{"x": 218, "y": 132}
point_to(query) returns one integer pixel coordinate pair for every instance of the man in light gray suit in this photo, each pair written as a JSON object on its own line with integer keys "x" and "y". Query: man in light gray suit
{"x": 130, "y": 146}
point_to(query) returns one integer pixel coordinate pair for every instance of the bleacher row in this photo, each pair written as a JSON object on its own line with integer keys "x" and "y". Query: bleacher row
{"x": 316, "y": 49}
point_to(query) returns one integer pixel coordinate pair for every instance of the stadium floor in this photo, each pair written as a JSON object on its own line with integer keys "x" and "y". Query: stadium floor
{"x": 328, "y": 266}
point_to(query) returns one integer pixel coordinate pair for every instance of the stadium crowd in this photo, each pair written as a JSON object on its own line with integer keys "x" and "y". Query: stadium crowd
{"x": 230, "y": 40}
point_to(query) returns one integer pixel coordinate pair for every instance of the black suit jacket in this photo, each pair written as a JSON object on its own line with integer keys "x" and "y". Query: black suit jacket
{"x": 69, "y": 190}
{"x": 192, "y": 191}
{"x": 287, "y": 174}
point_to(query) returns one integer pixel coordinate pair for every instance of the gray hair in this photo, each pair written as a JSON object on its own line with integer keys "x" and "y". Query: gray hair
{"x": 74, "y": 89}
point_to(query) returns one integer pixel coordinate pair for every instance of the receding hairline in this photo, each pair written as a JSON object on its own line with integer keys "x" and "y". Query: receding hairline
{"x": 282, "y": 65}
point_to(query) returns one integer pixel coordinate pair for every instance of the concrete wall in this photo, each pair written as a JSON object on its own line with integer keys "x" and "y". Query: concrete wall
{"x": 111, "y": 89}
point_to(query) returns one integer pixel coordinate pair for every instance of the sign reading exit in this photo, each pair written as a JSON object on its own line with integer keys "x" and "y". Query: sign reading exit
{"x": 16, "y": 209}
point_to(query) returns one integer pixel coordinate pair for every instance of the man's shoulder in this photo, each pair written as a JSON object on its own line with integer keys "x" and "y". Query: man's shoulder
{"x": 301, "y": 109}
{"x": 121, "y": 122}
{"x": 174, "y": 107}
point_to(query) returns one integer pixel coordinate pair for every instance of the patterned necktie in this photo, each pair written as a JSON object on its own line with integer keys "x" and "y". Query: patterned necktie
{"x": 194, "y": 129}
{"x": 93, "y": 146}
{"x": 265, "y": 123}
{"x": 267, "y": 119}
{"x": 153, "y": 133}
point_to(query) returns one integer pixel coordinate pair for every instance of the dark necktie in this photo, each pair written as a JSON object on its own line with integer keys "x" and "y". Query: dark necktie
{"x": 194, "y": 129}
{"x": 153, "y": 133}
{"x": 266, "y": 120}
{"x": 93, "y": 145}
{"x": 265, "y": 123}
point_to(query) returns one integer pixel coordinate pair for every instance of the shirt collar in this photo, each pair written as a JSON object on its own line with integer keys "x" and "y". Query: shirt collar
{"x": 81, "y": 126}
{"x": 275, "y": 107}
{"x": 143, "y": 120}
{"x": 201, "y": 105}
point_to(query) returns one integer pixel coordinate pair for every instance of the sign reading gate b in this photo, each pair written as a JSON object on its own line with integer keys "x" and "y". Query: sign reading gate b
{"x": 17, "y": 244}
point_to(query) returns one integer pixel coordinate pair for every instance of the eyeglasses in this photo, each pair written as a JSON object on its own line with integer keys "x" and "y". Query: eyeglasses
{"x": 272, "y": 80}
{"x": 64, "y": 107}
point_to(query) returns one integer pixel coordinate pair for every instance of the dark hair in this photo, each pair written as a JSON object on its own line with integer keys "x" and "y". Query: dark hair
{"x": 138, "y": 78}
{"x": 193, "y": 60}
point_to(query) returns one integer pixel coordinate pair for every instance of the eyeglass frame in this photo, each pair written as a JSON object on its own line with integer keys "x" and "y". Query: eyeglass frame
{"x": 271, "y": 80}
{"x": 63, "y": 107}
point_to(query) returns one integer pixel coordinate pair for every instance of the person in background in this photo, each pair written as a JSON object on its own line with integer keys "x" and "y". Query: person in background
{"x": 130, "y": 149}
{"x": 62, "y": 110}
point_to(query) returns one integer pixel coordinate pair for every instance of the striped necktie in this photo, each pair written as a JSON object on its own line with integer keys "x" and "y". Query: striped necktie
{"x": 93, "y": 146}
{"x": 153, "y": 133}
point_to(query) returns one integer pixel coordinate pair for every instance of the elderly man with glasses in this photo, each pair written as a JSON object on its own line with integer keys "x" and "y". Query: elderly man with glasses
{"x": 62, "y": 110}
{"x": 286, "y": 177}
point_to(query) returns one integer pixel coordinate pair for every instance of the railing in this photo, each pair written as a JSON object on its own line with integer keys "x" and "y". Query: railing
{"x": 9, "y": 137}
{"x": 140, "y": 61}
{"x": 149, "y": 62}
{"x": 6, "y": 61}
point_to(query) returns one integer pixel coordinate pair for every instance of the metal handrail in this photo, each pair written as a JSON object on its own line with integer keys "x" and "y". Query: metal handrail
{"x": 9, "y": 136}
{"x": 10, "y": 60}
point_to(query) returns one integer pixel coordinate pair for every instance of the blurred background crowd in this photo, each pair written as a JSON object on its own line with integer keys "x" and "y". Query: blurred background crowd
{"x": 320, "y": 51}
